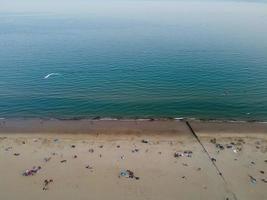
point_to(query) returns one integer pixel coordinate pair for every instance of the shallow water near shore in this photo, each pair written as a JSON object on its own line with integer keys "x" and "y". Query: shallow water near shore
{"x": 200, "y": 60}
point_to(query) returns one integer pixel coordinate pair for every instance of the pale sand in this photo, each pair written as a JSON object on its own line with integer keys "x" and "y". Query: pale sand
{"x": 162, "y": 176}
{"x": 236, "y": 168}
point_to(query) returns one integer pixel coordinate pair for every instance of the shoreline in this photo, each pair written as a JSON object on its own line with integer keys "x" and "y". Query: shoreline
{"x": 129, "y": 126}
{"x": 134, "y": 119}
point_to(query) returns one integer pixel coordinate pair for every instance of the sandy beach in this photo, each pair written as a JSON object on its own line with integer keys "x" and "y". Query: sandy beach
{"x": 132, "y": 160}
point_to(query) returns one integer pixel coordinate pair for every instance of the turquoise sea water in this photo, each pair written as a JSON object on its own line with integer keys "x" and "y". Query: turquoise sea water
{"x": 135, "y": 59}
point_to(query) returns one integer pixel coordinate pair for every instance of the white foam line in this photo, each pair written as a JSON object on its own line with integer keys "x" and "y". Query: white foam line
{"x": 51, "y": 74}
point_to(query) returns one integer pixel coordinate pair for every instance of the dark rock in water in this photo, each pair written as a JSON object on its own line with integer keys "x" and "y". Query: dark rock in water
{"x": 213, "y": 159}
{"x": 63, "y": 161}
{"x": 262, "y": 172}
{"x": 73, "y": 146}
{"x": 91, "y": 150}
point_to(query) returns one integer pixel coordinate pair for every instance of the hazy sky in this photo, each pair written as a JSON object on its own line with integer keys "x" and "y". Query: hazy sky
{"x": 237, "y": 15}
{"x": 115, "y": 6}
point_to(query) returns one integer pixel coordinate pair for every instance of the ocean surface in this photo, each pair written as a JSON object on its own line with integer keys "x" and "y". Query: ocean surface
{"x": 197, "y": 59}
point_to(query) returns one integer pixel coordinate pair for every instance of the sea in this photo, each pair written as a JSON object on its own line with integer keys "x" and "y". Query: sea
{"x": 134, "y": 59}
